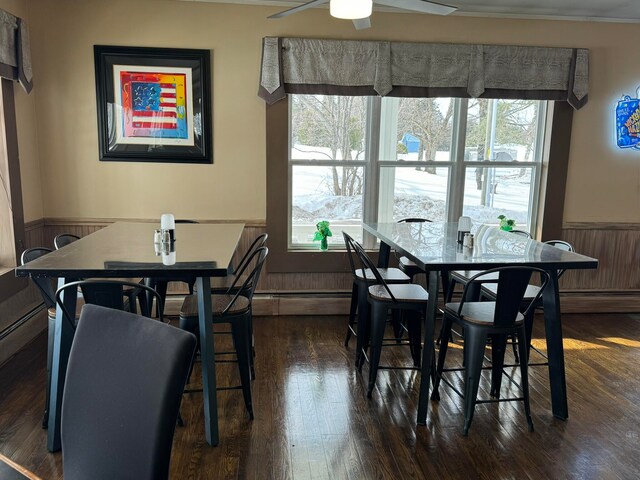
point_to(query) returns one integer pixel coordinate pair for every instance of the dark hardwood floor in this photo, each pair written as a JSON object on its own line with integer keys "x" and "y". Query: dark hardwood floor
{"x": 313, "y": 420}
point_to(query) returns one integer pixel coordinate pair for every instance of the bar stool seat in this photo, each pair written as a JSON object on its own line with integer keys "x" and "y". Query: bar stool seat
{"x": 390, "y": 275}
{"x": 408, "y": 292}
{"x": 479, "y": 313}
{"x": 409, "y": 267}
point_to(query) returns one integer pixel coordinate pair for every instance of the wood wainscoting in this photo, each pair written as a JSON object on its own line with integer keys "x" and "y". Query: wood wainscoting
{"x": 613, "y": 287}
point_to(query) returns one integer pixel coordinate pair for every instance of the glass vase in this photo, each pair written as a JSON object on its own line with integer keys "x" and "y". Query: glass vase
{"x": 324, "y": 244}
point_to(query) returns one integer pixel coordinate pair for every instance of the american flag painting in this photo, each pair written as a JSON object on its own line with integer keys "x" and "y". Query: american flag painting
{"x": 154, "y": 106}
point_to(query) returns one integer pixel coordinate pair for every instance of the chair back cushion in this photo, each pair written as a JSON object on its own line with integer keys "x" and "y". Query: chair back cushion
{"x": 125, "y": 378}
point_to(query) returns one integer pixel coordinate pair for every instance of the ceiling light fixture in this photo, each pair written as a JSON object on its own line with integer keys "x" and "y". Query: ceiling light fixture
{"x": 351, "y": 9}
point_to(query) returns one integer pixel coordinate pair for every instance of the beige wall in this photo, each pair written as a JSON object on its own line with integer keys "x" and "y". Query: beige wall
{"x": 604, "y": 184}
{"x": 27, "y": 132}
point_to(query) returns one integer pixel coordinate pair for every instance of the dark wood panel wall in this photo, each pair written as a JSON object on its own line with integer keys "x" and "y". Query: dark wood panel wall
{"x": 614, "y": 286}
{"x": 616, "y": 246}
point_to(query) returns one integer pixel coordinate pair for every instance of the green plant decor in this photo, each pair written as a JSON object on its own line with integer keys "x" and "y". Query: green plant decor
{"x": 506, "y": 224}
{"x": 322, "y": 234}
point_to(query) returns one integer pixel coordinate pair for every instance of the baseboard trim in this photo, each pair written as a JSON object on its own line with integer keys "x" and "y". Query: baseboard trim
{"x": 21, "y": 332}
{"x": 338, "y": 303}
{"x": 600, "y": 226}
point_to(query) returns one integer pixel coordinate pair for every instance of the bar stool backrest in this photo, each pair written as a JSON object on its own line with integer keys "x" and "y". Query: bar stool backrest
{"x": 106, "y": 293}
{"x": 64, "y": 239}
{"x": 250, "y": 283}
{"x": 367, "y": 264}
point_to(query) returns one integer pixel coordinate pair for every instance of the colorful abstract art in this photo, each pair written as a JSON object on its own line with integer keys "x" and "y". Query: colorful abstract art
{"x": 155, "y": 104}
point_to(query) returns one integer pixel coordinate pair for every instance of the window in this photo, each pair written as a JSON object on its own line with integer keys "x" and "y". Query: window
{"x": 7, "y": 243}
{"x": 12, "y": 235}
{"x": 383, "y": 159}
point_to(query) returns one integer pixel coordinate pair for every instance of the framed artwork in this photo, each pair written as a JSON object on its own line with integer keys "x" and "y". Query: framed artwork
{"x": 154, "y": 104}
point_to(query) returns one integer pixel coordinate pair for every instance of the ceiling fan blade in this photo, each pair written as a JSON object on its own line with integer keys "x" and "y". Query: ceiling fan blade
{"x": 422, "y": 6}
{"x": 362, "y": 23}
{"x": 299, "y": 8}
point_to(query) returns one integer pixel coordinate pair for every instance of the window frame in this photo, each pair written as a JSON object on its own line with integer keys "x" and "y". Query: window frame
{"x": 283, "y": 259}
{"x": 9, "y": 283}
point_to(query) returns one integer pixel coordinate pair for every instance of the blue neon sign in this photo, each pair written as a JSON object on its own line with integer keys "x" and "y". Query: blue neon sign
{"x": 628, "y": 122}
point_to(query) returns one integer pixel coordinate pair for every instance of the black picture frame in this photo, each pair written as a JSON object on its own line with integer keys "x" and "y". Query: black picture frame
{"x": 137, "y": 121}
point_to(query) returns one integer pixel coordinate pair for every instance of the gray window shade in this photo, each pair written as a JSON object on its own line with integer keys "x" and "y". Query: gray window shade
{"x": 351, "y": 67}
{"x": 15, "y": 54}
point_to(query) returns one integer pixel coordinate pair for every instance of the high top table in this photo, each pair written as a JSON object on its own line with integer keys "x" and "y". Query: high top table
{"x": 125, "y": 249}
{"x": 434, "y": 248}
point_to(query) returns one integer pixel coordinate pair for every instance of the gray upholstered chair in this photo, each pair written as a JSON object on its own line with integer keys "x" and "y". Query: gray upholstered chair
{"x": 121, "y": 401}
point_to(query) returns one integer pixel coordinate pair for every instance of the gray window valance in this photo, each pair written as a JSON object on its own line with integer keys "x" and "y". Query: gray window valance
{"x": 353, "y": 67}
{"x": 15, "y": 53}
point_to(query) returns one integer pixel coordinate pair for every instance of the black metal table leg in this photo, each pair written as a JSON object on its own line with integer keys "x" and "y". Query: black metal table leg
{"x": 63, "y": 336}
{"x": 555, "y": 349}
{"x": 207, "y": 353}
{"x": 427, "y": 352}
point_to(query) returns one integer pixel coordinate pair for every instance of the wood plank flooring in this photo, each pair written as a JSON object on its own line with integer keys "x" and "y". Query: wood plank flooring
{"x": 313, "y": 420}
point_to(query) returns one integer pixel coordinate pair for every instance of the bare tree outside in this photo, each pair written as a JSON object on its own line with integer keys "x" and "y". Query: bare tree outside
{"x": 430, "y": 121}
{"x": 337, "y": 124}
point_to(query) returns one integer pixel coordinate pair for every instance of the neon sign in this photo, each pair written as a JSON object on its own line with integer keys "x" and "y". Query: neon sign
{"x": 628, "y": 122}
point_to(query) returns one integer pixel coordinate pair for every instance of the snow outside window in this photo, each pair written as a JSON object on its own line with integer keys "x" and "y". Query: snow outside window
{"x": 365, "y": 158}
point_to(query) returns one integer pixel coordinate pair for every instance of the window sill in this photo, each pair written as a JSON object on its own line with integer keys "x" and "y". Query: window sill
{"x": 310, "y": 261}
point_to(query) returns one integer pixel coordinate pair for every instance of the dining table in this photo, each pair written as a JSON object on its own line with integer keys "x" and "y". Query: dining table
{"x": 435, "y": 249}
{"x": 126, "y": 250}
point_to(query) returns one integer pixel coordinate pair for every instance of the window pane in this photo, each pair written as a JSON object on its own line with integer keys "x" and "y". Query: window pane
{"x": 406, "y": 192}
{"x": 416, "y": 129}
{"x": 328, "y": 127}
{"x": 7, "y": 238}
{"x": 502, "y": 130}
{"x": 490, "y": 192}
{"x": 326, "y": 193}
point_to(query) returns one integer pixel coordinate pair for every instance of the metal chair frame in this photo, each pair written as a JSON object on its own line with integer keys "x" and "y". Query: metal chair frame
{"x": 239, "y": 324}
{"x": 372, "y": 331}
{"x": 512, "y": 285}
{"x": 107, "y": 293}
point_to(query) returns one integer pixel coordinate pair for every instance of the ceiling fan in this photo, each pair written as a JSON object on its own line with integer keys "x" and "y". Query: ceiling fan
{"x": 360, "y": 10}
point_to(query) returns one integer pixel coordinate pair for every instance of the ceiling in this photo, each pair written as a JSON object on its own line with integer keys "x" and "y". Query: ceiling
{"x": 591, "y": 10}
